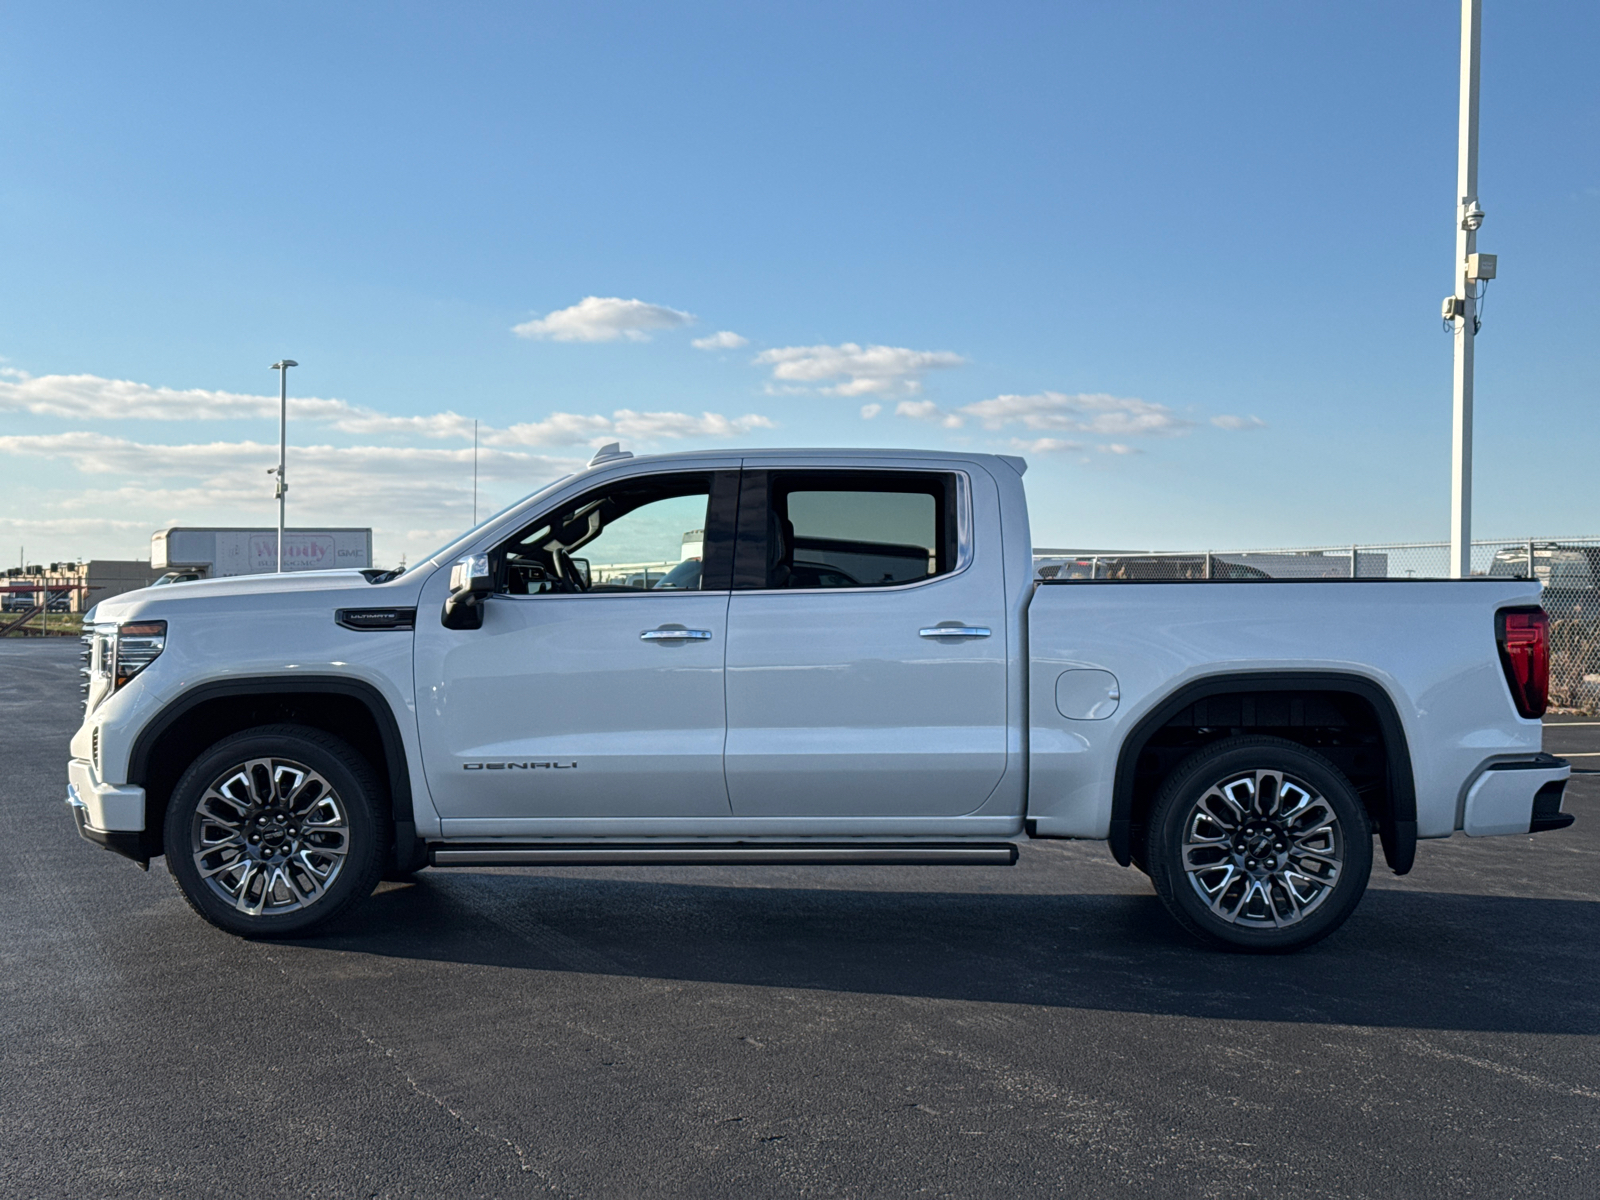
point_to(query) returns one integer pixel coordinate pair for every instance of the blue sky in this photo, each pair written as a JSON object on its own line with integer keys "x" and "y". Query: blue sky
{"x": 1187, "y": 258}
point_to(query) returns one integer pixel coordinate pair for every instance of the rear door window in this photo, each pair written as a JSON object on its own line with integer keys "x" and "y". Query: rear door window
{"x": 846, "y": 529}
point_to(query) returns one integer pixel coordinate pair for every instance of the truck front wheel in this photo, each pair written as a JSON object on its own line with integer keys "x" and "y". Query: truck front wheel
{"x": 274, "y": 830}
{"x": 1259, "y": 844}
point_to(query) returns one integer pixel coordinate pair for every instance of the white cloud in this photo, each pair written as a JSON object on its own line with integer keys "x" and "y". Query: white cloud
{"x": 398, "y": 489}
{"x": 89, "y": 397}
{"x": 1227, "y": 422}
{"x": 1045, "y": 445}
{"x": 647, "y": 426}
{"x": 558, "y": 429}
{"x": 724, "y": 339}
{"x": 1118, "y": 448}
{"x": 868, "y": 411}
{"x": 436, "y": 425}
{"x": 927, "y": 410}
{"x": 861, "y": 370}
{"x": 569, "y": 429}
{"x": 388, "y": 487}
{"x": 1083, "y": 412}
{"x": 604, "y": 319}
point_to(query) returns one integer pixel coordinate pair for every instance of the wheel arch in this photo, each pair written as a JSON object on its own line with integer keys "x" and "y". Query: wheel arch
{"x": 351, "y": 709}
{"x": 1395, "y": 817}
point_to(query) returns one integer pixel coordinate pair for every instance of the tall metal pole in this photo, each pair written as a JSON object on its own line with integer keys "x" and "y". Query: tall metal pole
{"x": 282, "y": 368}
{"x": 1468, "y": 217}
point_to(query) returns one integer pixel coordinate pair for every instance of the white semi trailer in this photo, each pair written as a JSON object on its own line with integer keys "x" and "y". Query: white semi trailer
{"x": 218, "y": 553}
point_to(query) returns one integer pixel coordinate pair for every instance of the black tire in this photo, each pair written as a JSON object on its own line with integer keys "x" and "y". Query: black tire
{"x": 280, "y": 800}
{"x": 1238, "y": 877}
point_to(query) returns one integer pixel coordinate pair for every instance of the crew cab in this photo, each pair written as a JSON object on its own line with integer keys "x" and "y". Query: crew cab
{"x": 804, "y": 656}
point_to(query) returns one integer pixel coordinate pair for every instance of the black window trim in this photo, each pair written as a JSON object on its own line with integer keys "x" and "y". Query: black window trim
{"x": 751, "y": 540}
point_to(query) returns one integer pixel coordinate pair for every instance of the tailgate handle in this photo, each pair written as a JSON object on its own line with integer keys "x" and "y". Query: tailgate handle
{"x": 956, "y": 631}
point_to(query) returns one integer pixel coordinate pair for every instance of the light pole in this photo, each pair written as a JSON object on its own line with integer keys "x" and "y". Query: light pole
{"x": 1461, "y": 307}
{"x": 282, "y": 368}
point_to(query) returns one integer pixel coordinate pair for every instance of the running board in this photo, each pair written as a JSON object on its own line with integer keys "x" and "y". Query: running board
{"x": 995, "y": 854}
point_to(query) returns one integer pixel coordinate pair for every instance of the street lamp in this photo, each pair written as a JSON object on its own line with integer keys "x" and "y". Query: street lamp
{"x": 282, "y": 367}
{"x": 1472, "y": 273}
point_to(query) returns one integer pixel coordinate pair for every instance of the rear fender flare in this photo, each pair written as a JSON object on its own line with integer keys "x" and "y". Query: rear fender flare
{"x": 1397, "y": 829}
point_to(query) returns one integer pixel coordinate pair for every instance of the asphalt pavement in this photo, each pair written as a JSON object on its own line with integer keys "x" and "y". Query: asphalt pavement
{"x": 744, "y": 1031}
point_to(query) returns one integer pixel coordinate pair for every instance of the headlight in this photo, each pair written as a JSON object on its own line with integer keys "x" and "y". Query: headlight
{"x": 116, "y": 653}
{"x": 137, "y": 645}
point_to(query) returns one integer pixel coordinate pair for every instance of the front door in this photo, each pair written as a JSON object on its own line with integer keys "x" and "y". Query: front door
{"x": 595, "y": 686}
{"x": 866, "y": 666}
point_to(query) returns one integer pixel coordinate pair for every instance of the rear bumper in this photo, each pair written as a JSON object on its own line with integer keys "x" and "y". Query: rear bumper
{"x": 1518, "y": 797}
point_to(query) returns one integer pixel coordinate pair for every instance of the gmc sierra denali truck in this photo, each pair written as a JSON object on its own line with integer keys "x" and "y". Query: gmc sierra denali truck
{"x": 803, "y": 656}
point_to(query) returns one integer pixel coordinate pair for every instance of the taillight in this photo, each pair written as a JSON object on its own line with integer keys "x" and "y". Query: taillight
{"x": 1524, "y": 637}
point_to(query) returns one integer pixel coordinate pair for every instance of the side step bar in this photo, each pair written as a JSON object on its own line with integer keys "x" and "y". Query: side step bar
{"x": 995, "y": 854}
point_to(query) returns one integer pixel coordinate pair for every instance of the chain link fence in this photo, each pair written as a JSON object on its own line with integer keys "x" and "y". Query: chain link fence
{"x": 1569, "y": 568}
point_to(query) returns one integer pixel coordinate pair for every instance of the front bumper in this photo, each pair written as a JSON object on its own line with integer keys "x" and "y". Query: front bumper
{"x": 1518, "y": 797}
{"x": 106, "y": 814}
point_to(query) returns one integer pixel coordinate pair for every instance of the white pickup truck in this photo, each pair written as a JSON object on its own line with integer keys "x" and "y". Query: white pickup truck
{"x": 803, "y": 656}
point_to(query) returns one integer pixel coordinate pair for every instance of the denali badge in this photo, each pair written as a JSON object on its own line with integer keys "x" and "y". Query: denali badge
{"x": 518, "y": 766}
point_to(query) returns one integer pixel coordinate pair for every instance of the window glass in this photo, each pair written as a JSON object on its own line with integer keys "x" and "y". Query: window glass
{"x": 643, "y": 535}
{"x": 1563, "y": 570}
{"x": 884, "y": 530}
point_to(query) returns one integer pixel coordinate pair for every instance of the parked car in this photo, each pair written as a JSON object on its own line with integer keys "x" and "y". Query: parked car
{"x": 865, "y": 670}
{"x": 1570, "y": 574}
{"x": 1147, "y": 566}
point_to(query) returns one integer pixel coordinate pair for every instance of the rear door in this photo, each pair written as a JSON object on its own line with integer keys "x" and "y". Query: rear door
{"x": 866, "y": 661}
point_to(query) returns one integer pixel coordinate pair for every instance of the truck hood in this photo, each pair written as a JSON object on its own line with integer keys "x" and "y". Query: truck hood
{"x": 153, "y": 601}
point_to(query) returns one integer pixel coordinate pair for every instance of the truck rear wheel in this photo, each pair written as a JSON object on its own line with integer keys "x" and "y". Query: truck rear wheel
{"x": 273, "y": 831}
{"x": 1258, "y": 844}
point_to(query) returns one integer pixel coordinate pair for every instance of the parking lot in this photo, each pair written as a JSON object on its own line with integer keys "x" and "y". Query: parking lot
{"x": 1038, "y": 1030}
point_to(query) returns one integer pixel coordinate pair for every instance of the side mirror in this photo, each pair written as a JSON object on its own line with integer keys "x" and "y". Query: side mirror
{"x": 470, "y": 585}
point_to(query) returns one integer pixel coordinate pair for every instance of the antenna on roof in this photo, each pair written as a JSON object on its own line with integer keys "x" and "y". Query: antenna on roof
{"x": 608, "y": 452}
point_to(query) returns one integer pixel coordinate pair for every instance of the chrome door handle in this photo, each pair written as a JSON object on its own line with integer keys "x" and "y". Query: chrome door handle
{"x": 675, "y": 635}
{"x": 956, "y": 631}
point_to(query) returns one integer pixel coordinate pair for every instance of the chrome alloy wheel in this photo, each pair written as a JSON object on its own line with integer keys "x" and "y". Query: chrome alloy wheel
{"x": 269, "y": 836}
{"x": 1262, "y": 849}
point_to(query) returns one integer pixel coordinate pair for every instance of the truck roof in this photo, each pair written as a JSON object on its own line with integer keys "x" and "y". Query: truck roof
{"x": 603, "y": 458}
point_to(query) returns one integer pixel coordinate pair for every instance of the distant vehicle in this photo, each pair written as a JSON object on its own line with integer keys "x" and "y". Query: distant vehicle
{"x": 24, "y": 601}
{"x": 683, "y": 577}
{"x": 1155, "y": 566}
{"x": 819, "y": 575}
{"x": 1570, "y": 574}
{"x": 178, "y": 577}
{"x": 868, "y": 671}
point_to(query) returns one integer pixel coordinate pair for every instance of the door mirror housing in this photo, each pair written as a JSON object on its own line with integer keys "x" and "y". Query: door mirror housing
{"x": 471, "y": 583}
